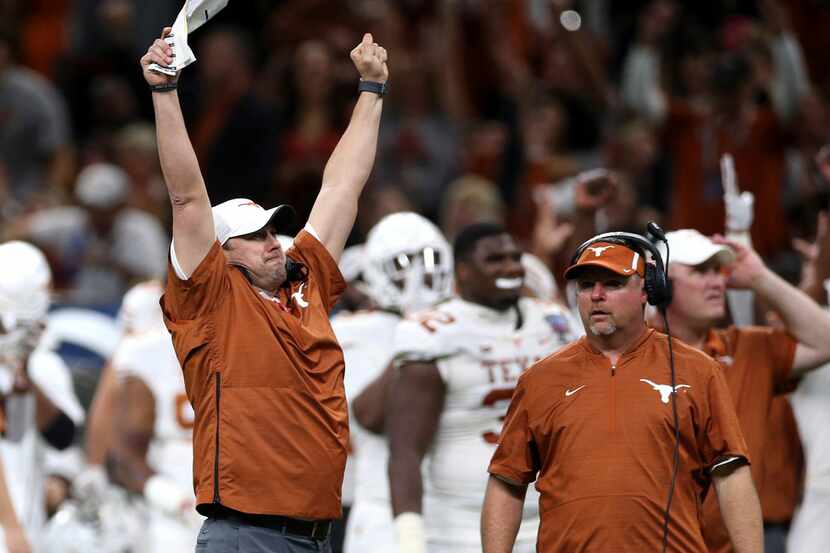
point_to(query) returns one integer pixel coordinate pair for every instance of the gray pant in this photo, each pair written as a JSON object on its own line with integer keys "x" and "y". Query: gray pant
{"x": 222, "y": 535}
{"x": 775, "y": 538}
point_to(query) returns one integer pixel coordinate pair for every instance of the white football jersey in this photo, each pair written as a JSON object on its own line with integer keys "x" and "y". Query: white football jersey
{"x": 480, "y": 354}
{"x": 366, "y": 338}
{"x": 149, "y": 356}
{"x": 23, "y": 448}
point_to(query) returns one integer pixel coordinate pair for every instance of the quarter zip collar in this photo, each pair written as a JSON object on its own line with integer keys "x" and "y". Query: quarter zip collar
{"x": 632, "y": 351}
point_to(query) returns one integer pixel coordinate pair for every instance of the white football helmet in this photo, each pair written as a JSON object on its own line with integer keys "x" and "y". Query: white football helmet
{"x": 25, "y": 279}
{"x": 351, "y": 262}
{"x": 140, "y": 310}
{"x": 24, "y": 284}
{"x": 407, "y": 263}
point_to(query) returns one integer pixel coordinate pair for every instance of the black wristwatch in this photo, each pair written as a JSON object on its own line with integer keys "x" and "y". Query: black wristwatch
{"x": 164, "y": 87}
{"x": 372, "y": 86}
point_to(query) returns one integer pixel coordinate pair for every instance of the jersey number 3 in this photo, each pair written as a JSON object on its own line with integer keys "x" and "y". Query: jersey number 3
{"x": 490, "y": 400}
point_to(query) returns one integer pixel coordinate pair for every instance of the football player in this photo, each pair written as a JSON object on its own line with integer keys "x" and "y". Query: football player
{"x": 406, "y": 265}
{"x": 39, "y": 405}
{"x": 458, "y": 364}
{"x": 153, "y": 448}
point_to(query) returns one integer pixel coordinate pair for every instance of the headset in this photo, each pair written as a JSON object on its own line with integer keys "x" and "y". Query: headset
{"x": 659, "y": 294}
{"x": 294, "y": 272}
{"x": 656, "y": 281}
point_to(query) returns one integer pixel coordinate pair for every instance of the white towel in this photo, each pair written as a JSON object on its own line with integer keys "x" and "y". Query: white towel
{"x": 194, "y": 14}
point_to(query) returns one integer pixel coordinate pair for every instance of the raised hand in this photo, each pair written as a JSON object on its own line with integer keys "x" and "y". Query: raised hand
{"x": 370, "y": 60}
{"x": 747, "y": 269}
{"x": 739, "y": 205}
{"x": 595, "y": 189}
{"x": 161, "y": 53}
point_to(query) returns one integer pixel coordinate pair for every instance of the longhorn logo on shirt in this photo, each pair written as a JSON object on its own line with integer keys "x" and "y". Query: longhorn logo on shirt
{"x": 725, "y": 360}
{"x": 664, "y": 389}
{"x": 298, "y": 297}
{"x": 599, "y": 249}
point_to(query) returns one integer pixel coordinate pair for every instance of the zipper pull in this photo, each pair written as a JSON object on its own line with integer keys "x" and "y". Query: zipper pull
{"x": 613, "y": 370}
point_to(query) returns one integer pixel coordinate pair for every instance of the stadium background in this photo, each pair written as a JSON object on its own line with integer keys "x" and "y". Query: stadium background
{"x": 491, "y": 101}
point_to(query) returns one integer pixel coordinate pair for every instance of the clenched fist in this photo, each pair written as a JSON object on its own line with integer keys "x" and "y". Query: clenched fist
{"x": 370, "y": 60}
{"x": 161, "y": 53}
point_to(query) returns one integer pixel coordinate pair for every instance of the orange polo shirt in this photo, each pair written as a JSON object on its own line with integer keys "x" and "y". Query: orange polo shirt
{"x": 599, "y": 442}
{"x": 756, "y": 364}
{"x": 783, "y": 479}
{"x": 265, "y": 378}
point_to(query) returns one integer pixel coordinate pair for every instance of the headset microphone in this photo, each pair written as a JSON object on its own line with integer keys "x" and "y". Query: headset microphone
{"x": 294, "y": 271}
{"x": 657, "y": 232}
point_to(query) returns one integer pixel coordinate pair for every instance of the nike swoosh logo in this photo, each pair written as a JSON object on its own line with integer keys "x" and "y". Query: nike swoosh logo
{"x": 569, "y": 393}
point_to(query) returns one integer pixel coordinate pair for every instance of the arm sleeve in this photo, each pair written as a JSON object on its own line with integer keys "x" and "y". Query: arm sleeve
{"x": 781, "y": 347}
{"x": 516, "y": 458}
{"x": 420, "y": 338}
{"x": 322, "y": 267}
{"x": 720, "y": 438}
{"x": 126, "y": 359}
{"x": 189, "y": 299}
{"x": 48, "y": 371}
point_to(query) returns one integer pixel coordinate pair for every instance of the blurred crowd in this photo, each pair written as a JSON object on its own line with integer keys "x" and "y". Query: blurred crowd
{"x": 493, "y": 104}
{"x": 559, "y": 119}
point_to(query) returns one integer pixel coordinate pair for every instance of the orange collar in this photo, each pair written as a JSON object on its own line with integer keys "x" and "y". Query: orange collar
{"x": 714, "y": 345}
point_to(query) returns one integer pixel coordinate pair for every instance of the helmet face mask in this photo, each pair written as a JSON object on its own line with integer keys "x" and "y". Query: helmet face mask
{"x": 25, "y": 280}
{"x": 407, "y": 263}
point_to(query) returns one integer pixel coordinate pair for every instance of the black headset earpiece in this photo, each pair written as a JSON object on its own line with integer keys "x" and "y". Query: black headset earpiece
{"x": 656, "y": 283}
{"x": 294, "y": 271}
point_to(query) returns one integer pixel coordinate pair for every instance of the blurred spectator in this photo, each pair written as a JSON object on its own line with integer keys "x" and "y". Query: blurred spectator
{"x": 419, "y": 142}
{"x": 101, "y": 246}
{"x": 137, "y": 154}
{"x": 741, "y": 102}
{"x": 34, "y": 135}
{"x": 43, "y": 34}
{"x": 312, "y": 130}
{"x": 234, "y": 133}
{"x": 470, "y": 199}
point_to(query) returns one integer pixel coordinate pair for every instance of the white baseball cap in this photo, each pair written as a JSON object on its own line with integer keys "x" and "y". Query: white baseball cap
{"x": 102, "y": 185}
{"x": 242, "y": 216}
{"x": 689, "y": 247}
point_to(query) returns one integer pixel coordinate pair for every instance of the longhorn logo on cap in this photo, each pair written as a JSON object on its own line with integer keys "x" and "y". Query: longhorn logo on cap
{"x": 599, "y": 249}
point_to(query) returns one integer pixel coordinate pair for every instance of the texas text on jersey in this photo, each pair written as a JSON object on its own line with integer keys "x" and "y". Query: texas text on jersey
{"x": 480, "y": 354}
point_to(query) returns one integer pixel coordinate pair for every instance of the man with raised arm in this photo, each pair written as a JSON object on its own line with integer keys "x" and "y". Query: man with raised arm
{"x": 250, "y": 327}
